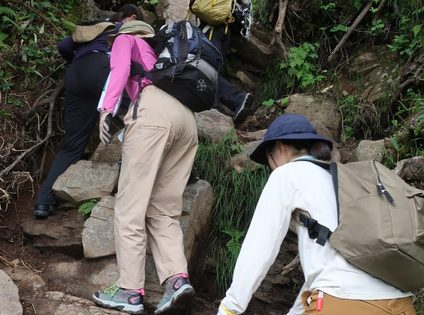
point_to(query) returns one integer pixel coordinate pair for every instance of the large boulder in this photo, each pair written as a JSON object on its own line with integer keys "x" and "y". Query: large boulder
{"x": 411, "y": 170}
{"x": 198, "y": 201}
{"x": 370, "y": 150}
{"x": 242, "y": 161}
{"x": 29, "y": 282}
{"x": 213, "y": 125}
{"x": 317, "y": 108}
{"x": 86, "y": 180}
{"x": 172, "y": 11}
{"x": 9, "y": 296}
{"x": 97, "y": 235}
{"x": 108, "y": 153}
{"x": 61, "y": 231}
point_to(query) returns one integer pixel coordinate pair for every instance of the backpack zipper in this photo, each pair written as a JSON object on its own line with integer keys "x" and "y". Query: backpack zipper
{"x": 380, "y": 188}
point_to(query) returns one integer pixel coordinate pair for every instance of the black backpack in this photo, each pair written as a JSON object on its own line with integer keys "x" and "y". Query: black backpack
{"x": 187, "y": 67}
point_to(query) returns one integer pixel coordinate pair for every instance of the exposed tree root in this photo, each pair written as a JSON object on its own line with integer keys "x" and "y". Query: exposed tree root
{"x": 13, "y": 174}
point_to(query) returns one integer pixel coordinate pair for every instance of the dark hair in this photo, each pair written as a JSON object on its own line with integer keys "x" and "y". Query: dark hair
{"x": 129, "y": 10}
{"x": 319, "y": 149}
{"x": 117, "y": 17}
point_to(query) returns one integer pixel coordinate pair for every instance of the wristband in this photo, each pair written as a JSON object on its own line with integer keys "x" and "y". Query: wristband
{"x": 226, "y": 310}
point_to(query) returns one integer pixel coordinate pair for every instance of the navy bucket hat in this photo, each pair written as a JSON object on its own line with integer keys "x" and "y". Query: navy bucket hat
{"x": 287, "y": 127}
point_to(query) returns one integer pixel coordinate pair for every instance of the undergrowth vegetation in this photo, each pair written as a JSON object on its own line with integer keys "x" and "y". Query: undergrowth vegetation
{"x": 32, "y": 30}
{"x": 236, "y": 195}
{"x": 30, "y": 72}
{"x": 313, "y": 29}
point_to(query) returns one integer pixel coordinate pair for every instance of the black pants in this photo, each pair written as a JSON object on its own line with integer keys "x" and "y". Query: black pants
{"x": 228, "y": 94}
{"x": 84, "y": 81}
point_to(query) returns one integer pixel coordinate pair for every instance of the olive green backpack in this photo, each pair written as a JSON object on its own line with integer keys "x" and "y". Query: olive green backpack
{"x": 213, "y": 12}
{"x": 381, "y": 222}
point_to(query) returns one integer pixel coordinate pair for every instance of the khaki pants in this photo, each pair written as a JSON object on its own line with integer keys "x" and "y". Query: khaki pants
{"x": 335, "y": 306}
{"x": 157, "y": 157}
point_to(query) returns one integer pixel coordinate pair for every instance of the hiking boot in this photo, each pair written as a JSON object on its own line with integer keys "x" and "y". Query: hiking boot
{"x": 42, "y": 211}
{"x": 242, "y": 108}
{"x": 178, "y": 294}
{"x": 129, "y": 301}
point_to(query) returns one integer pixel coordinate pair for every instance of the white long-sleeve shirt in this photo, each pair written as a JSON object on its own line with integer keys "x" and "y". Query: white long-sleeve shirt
{"x": 306, "y": 186}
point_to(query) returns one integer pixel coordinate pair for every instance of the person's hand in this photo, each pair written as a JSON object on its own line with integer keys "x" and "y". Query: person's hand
{"x": 222, "y": 310}
{"x": 104, "y": 127}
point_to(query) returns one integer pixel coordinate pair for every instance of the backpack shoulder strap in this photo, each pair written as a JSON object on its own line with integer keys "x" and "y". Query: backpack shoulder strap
{"x": 136, "y": 69}
{"x": 315, "y": 230}
{"x": 332, "y": 168}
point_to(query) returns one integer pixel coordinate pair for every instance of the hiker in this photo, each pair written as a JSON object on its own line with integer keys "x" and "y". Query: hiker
{"x": 332, "y": 285}
{"x": 159, "y": 146}
{"x": 88, "y": 60}
{"x": 236, "y": 100}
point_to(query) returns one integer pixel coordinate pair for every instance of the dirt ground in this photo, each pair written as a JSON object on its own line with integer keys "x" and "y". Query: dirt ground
{"x": 16, "y": 251}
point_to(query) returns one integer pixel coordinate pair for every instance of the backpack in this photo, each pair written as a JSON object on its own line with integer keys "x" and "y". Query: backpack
{"x": 381, "y": 222}
{"x": 89, "y": 31}
{"x": 213, "y": 12}
{"x": 187, "y": 66}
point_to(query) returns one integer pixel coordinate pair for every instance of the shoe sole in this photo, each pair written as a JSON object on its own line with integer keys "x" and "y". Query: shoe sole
{"x": 41, "y": 214}
{"x": 131, "y": 309}
{"x": 179, "y": 301}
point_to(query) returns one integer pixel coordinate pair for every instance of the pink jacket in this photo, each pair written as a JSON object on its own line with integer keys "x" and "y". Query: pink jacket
{"x": 126, "y": 48}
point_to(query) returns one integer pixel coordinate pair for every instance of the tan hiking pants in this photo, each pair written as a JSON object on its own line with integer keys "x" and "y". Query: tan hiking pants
{"x": 157, "y": 157}
{"x": 335, "y": 306}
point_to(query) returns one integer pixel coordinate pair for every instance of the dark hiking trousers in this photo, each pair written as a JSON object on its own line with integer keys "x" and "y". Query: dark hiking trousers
{"x": 84, "y": 81}
{"x": 227, "y": 93}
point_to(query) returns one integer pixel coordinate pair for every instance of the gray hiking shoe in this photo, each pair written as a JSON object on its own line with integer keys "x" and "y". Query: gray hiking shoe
{"x": 129, "y": 301}
{"x": 178, "y": 294}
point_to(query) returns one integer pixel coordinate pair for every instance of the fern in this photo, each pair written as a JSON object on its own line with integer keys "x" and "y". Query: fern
{"x": 5, "y": 11}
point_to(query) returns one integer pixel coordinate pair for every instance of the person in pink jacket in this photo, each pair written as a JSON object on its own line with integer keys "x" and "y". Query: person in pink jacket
{"x": 160, "y": 142}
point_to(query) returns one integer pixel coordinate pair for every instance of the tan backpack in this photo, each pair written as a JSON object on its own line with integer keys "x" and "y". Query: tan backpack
{"x": 86, "y": 33}
{"x": 381, "y": 222}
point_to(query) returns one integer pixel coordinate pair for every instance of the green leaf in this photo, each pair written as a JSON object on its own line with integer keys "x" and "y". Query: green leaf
{"x": 7, "y": 11}
{"x": 394, "y": 143}
{"x": 339, "y": 28}
{"x": 268, "y": 103}
{"x": 328, "y": 7}
{"x": 86, "y": 207}
{"x": 285, "y": 101}
{"x": 416, "y": 30}
{"x": 70, "y": 26}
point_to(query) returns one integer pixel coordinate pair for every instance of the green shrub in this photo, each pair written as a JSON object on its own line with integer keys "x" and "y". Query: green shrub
{"x": 236, "y": 195}
{"x": 301, "y": 66}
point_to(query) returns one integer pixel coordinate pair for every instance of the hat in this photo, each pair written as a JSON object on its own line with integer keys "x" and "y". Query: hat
{"x": 134, "y": 27}
{"x": 287, "y": 127}
{"x": 86, "y": 33}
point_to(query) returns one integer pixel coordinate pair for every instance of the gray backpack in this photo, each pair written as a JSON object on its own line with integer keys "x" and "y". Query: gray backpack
{"x": 381, "y": 222}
